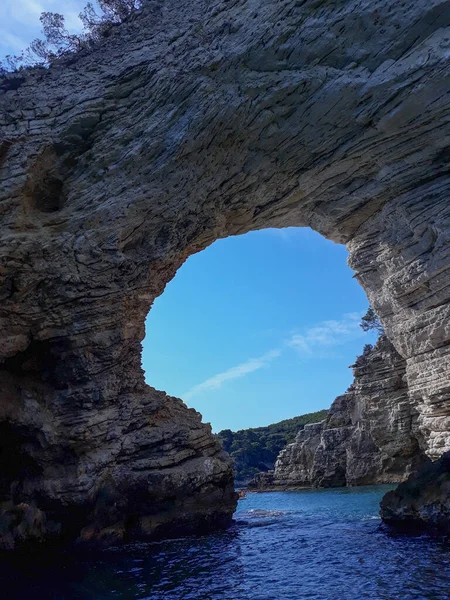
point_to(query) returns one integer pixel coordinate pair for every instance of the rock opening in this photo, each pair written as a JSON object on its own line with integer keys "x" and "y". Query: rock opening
{"x": 197, "y": 131}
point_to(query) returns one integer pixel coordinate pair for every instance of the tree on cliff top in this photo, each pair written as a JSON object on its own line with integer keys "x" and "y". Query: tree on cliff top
{"x": 58, "y": 41}
{"x": 256, "y": 449}
{"x": 371, "y": 322}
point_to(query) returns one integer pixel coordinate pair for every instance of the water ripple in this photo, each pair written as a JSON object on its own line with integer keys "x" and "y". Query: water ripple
{"x": 315, "y": 545}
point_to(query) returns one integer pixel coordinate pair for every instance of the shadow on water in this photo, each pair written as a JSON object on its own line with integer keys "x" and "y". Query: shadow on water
{"x": 142, "y": 570}
{"x": 327, "y": 545}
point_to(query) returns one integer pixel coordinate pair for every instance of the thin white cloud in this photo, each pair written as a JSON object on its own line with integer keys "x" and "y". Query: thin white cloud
{"x": 311, "y": 343}
{"x": 26, "y": 12}
{"x": 73, "y": 22}
{"x": 12, "y": 42}
{"x": 293, "y": 235}
{"x": 20, "y": 22}
{"x": 286, "y": 234}
{"x": 251, "y": 365}
{"x": 327, "y": 334}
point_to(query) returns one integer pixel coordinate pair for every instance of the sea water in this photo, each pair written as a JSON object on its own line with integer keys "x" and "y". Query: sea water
{"x": 315, "y": 545}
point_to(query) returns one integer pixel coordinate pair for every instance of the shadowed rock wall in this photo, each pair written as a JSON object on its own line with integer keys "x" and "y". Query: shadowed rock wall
{"x": 194, "y": 121}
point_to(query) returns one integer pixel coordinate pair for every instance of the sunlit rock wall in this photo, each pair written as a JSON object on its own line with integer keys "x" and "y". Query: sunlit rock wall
{"x": 369, "y": 435}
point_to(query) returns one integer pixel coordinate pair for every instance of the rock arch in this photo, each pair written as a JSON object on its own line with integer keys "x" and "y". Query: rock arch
{"x": 195, "y": 121}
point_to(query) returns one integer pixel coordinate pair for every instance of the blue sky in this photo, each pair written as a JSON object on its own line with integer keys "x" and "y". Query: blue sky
{"x": 19, "y": 20}
{"x": 255, "y": 328}
{"x": 258, "y": 328}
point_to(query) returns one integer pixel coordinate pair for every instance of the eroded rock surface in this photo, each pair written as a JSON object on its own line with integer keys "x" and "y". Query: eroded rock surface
{"x": 196, "y": 120}
{"x": 423, "y": 501}
{"x": 144, "y": 467}
{"x": 368, "y": 436}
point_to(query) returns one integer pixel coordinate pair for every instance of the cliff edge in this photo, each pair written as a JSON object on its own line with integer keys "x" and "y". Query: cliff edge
{"x": 369, "y": 435}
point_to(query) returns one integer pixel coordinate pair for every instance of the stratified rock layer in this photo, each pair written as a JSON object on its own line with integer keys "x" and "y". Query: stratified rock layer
{"x": 145, "y": 467}
{"x": 194, "y": 121}
{"x": 367, "y": 437}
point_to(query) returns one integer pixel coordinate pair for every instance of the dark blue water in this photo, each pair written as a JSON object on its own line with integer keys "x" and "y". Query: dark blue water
{"x": 317, "y": 545}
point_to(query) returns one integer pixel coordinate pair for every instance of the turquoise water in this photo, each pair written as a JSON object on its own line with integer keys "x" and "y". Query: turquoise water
{"x": 316, "y": 545}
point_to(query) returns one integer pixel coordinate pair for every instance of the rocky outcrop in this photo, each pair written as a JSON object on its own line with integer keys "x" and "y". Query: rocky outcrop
{"x": 256, "y": 449}
{"x": 194, "y": 121}
{"x": 423, "y": 501}
{"x": 146, "y": 467}
{"x": 367, "y": 437}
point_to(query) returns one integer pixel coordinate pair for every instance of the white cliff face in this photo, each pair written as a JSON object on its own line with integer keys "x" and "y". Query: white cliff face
{"x": 370, "y": 434}
{"x": 194, "y": 121}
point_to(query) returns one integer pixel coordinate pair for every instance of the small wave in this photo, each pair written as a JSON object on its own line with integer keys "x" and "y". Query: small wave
{"x": 260, "y": 513}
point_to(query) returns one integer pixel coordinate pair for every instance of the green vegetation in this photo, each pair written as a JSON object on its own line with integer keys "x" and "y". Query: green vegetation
{"x": 371, "y": 322}
{"x": 254, "y": 450}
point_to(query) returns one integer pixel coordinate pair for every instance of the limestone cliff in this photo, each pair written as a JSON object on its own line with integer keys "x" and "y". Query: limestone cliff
{"x": 367, "y": 437}
{"x": 193, "y": 121}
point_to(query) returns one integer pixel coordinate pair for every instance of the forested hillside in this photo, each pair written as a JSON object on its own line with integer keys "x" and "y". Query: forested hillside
{"x": 254, "y": 450}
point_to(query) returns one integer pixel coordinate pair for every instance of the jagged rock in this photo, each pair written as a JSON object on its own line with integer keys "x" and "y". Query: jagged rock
{"x": 368, "y": 436}
{"x": 423, "y": 501}
{"x": 147, "y": 467}
{"x": 194, "y": 121}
